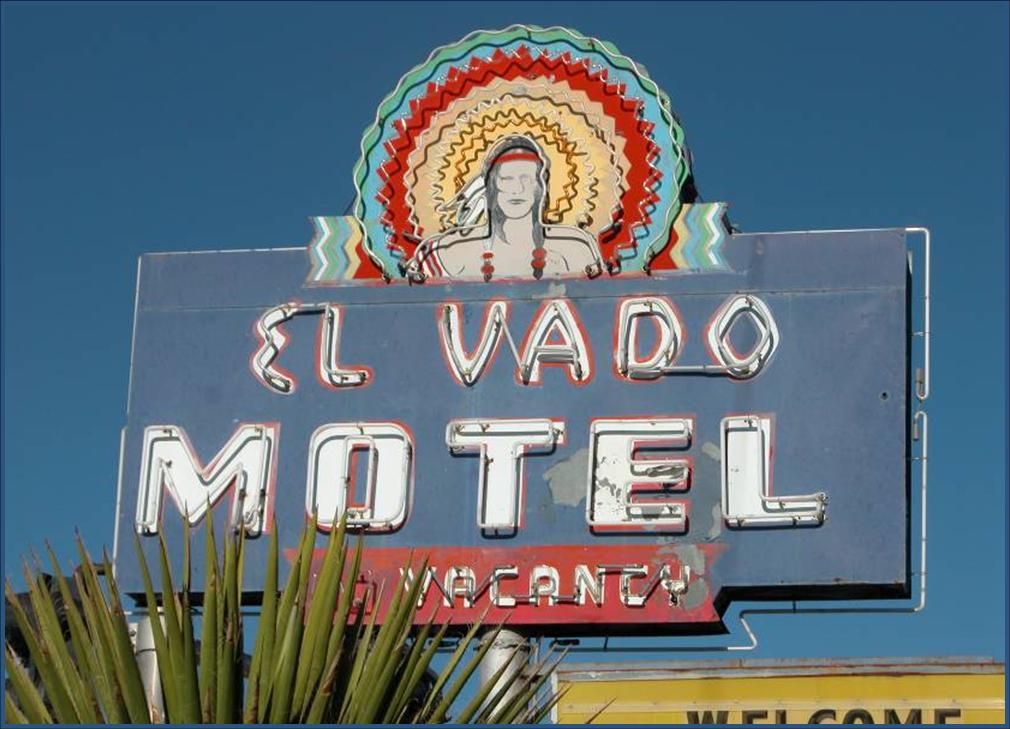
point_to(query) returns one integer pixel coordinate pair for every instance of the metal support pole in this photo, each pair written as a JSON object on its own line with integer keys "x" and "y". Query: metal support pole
{"x": 498, "y": 654}
{"x": 147, "y": 661}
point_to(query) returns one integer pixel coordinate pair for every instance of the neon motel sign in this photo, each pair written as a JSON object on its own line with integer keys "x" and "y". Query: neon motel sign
{"x": 539, "y": 360}
{"x": 619, "y": 481}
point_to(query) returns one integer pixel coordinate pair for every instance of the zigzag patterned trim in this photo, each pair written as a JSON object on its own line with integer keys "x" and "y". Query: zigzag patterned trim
{"x": 701, "y": 232}
{"x": 332, "y": 248}
{"x": 700, "y": 229}
{"x": 660, "y": 178}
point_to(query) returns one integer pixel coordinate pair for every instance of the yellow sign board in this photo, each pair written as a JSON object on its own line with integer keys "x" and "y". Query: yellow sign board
{"x": 874, "y": 691}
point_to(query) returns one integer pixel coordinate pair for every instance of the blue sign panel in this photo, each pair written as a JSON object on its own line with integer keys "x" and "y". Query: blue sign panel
{"x": 635, "y": 450}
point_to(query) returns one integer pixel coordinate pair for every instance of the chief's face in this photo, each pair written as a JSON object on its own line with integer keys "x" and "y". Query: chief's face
{"x": 517, "y": 185}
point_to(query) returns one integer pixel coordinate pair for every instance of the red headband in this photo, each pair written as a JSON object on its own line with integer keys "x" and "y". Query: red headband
{"x": 516, "y": 156}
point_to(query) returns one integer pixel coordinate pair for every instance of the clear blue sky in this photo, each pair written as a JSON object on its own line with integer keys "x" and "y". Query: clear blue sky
{"x": 131, "y": 128}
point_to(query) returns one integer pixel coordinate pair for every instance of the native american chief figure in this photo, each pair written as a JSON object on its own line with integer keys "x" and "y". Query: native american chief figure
{"x": 499, "y": 230}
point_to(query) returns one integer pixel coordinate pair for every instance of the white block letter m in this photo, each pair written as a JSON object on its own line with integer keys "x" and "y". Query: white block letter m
{"x": 246, "y": 464}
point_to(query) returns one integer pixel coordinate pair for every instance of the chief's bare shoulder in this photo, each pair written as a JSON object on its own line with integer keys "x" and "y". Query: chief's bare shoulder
{"x": 455, "y": 251}
{"x": 576, "y": 246}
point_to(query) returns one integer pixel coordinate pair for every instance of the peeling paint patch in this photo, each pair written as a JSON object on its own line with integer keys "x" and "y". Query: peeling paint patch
{"x": 716, "y": 529}
{"x": 608, "y": 485}
{"x": 554, "y": 291}
{"x": 567, "y": 479}
{"x": 697, "y": 590}
{"x": 696, "y": 595}
{"x": 666, "y": 546}
{"x": 711, "y": 450}
{"x": 693, "y": 557}
{"x": 545, "y": 507}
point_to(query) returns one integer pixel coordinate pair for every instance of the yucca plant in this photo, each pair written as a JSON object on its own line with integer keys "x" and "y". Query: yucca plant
{"x": 317, "y": 657}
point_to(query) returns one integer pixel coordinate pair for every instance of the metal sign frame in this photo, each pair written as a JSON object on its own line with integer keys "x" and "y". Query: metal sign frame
{"x": 919, "y": 420}
{"x": 509, "y": 157}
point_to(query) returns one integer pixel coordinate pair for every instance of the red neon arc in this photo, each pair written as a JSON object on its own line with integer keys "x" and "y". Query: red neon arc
{"x": 640, "y": 149}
